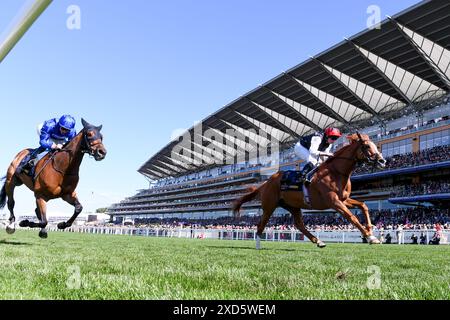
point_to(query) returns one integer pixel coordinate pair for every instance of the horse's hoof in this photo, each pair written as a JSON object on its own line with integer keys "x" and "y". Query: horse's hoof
{"x": 43, "y": 234}
{"x": 321, "y": 244}
{"x": 11, "y": 229}
{"x": 373, "y": 240}
{"x": 62, "y": 225}
{"x": 24, "y": 223}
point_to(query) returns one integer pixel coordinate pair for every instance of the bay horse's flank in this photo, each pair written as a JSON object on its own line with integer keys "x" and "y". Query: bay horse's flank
{"x": 57, "y": 176}
{"x": 330, "y": 189}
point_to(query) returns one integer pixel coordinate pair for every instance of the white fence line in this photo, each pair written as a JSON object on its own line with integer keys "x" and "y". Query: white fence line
{"x": 350, "y": 236}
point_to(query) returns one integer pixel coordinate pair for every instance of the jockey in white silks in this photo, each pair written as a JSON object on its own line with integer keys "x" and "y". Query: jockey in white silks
{"x": 314, "y": 149}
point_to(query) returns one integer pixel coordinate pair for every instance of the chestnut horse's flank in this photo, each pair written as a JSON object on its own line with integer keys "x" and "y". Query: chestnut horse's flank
{"x": 56, "y": 177}
{"x": 330, "y": 189}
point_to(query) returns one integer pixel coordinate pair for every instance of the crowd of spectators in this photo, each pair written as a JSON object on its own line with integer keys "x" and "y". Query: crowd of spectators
{"x": 412, "y": 159}
{"x": 431, "y": 187}
{"x": 408, "y": 219}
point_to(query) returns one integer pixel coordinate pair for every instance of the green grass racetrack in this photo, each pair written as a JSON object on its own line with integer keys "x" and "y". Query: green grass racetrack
{"x": 81, "y": 266}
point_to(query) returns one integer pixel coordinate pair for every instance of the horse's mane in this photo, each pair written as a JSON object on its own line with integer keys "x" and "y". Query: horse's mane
{"x": 353, "y": 138}
{"x": 70, "y": 142}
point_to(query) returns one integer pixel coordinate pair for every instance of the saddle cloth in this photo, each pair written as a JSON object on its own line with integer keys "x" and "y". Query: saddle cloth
{"x": 291, "y": 181}
{"x": 28, "y": 157}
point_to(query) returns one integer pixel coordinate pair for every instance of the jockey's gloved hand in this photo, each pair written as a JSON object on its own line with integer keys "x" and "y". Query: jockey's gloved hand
{"x": 326, "y": 154}
{"x": 56, "y": 146}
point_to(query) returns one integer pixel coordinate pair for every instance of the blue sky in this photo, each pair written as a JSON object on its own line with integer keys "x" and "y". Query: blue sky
{"x": 146, "y": 68}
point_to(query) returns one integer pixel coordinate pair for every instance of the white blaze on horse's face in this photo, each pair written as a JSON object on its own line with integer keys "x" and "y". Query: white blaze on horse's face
{"x": 375, "y": 156}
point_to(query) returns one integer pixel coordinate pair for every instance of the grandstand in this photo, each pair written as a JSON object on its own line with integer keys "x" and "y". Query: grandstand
{"x": 392, "y": 84}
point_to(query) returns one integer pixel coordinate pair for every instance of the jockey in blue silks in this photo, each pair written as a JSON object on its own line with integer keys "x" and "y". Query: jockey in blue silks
{"x": 53, "y": 135}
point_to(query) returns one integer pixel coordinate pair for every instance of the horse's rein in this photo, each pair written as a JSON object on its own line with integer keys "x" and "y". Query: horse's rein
{"x": 52, "y": 157}
{"x": 343, "y": 158}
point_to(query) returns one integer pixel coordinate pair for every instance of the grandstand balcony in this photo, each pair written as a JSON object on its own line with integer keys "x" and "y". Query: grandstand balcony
{"x": 199, "y": 194}
{"x": 211, "y": 208}
{"x": 202, "y": 184}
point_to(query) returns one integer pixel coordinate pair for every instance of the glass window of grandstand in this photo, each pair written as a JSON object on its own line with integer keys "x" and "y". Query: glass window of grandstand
{"x": 396, "y": 147}
{"x": 435, "y": 139}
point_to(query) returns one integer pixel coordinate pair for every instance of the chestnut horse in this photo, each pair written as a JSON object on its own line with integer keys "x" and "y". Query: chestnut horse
{"x": 56, "y": 177}
{"x": 330, "y": 188}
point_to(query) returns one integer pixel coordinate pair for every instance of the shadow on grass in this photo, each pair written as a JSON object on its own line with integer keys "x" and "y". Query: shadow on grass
{"x": 262, "y": 249}
{"x": 14, "y": 243}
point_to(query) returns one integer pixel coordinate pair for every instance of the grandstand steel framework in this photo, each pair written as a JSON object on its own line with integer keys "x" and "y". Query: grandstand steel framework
{"x": 362, "y": 80}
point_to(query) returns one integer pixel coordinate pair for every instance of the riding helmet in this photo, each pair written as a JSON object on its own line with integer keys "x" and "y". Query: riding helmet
{"x": 67, "y": 122}
{"x": 333, "y": 132}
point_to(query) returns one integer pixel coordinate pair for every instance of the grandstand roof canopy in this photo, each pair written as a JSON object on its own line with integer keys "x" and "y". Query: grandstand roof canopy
{"x": 359, "y": 80}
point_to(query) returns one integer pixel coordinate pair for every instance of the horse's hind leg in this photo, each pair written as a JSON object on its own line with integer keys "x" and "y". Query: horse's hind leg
{"x": 268, "y": 209}
{"x": 299, "y": 223}
{"x": 42, "y": 208}
{"x": 73, "y": 200}
{"x": 9, "y": 186}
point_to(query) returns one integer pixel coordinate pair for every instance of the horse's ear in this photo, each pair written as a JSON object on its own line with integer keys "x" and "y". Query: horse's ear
{"x": 84, "y": 123}
{"x": 359, "y": 135}
{"x": 99, "y": 128}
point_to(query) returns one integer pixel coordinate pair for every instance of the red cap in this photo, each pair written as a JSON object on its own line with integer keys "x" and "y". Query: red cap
{"x": 333, "y": 132}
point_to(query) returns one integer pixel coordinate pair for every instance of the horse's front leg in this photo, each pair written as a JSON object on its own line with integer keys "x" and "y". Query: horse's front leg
{"x": 340, "y": 206}
{"x": 73, "y": 200}
{"x": 352, "y": 203}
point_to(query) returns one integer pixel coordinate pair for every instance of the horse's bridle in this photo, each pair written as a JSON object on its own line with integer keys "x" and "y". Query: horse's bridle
{"x": 364, "y": 149}
{"x": 86, "y": 147}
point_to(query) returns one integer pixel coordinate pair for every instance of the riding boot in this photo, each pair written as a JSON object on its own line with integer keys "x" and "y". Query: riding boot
{"x": 308, "y": 174}
{"x": 308, "y": 167}
{"x": 27, "y": 167}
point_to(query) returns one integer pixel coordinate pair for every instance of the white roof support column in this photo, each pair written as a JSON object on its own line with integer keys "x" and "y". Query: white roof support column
{"x": 336, "y": 115}
{"x": 305, "y": 120}
{"x": 393, "y": 85}
{"x": 282, "y": 127}
{"x": 368, "y": 108}
{"x": 440, "y": 73}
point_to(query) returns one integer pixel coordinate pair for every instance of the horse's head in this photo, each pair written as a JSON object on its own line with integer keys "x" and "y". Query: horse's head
{"x": 93, "y": 141}
{"x": 367, "y": 150}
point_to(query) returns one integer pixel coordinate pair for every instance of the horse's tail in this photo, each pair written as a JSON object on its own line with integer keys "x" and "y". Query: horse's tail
{"x": 237, "y": 204}
{"x": 3, "y": 194}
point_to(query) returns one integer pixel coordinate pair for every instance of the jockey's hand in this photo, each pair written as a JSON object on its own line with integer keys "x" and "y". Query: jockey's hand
{"x": 56, "y": 146}
{"x": 326, "y": 154}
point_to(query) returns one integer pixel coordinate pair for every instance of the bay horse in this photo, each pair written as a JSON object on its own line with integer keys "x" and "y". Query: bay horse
{"x": 330, "y": 188}
{"x": 56, "y": 177}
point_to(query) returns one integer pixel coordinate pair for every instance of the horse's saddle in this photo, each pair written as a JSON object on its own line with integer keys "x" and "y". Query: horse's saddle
{"x": 291, "y": 180}
{"x": 30, "y": 166}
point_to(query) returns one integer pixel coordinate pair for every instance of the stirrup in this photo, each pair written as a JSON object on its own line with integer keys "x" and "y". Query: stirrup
{"x": 27, "y": 167}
